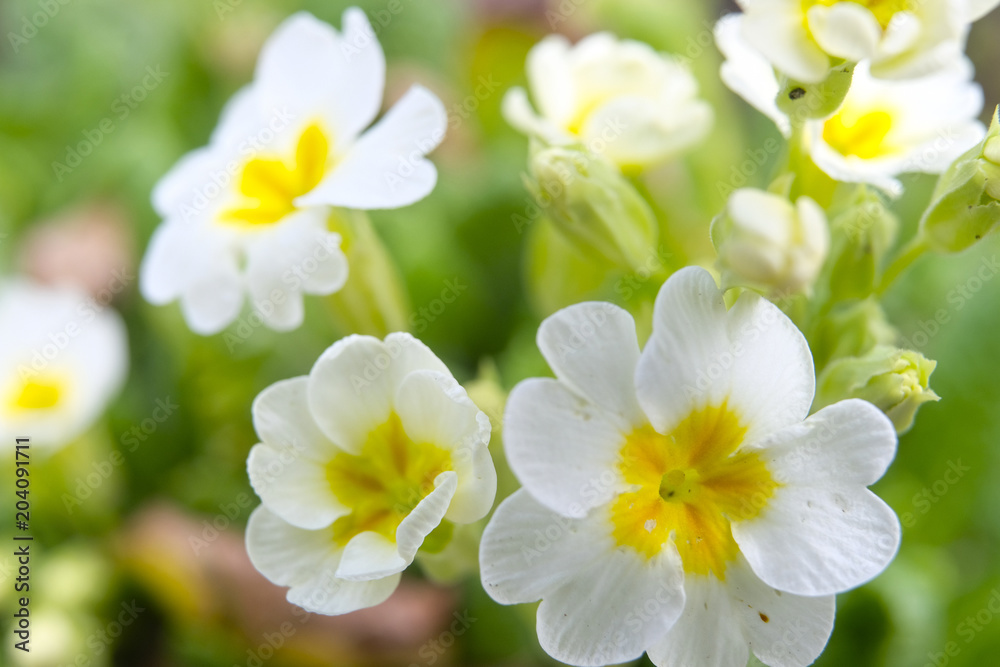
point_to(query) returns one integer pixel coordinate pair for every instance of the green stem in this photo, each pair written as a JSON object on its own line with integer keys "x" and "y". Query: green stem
{"x": 678, "y": 256}
{"x": 909, "y": 254}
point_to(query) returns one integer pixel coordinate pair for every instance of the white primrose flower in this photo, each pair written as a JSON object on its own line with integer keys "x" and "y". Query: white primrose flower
{"x": 248, "y": 213}
{"x": 619, "y": 98}
{"x": 63, "y": 357}
{"x": 902, "y": 38}
{"x": 882, "y": 129}
{"x": 375, "y": 454}
{"x": 679, "y": 501}
{"x": 767, "y": 242}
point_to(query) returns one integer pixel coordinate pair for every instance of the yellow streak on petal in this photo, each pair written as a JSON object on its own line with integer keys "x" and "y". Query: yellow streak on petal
{"x": 384, "y": 482}
{"x": 269, "y": 186}
{"x": 690, "y": 484}
{"x": 37, "y": 394}
{"x": 863, "y": 136}
{"x": 883, "y": 10}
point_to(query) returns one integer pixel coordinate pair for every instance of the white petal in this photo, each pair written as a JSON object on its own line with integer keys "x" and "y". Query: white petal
{"x": 601, "y": 604}
{"x": 699, "y": 354}
{"x": 707, "y": 634}
{"x": 846, "y": 30}
{"x": 980, "y": 8}
{"x": 434, "y": 408}
{"x": 593, "y": 349}
{"x": 297, "y": 253}
{"x": 823, "y": 532}
{"x": 370, "y": 556}
{"x": 307, "y": 67}
{"x": 285, "y": 554}
{"x": 563, "y": 449}
{"x": 386, "y": 167}
{"x": 326, "y": 594}
{"x": 780, "y": 34}
{"x": 212, "y": 300}
{"x": 636, "y": 131}
{"x": 353, "y": 385}
{"x": 550, "y": 76}
{"x": 294, "y": 488}
{"x": 426, "y": 516}
{"x": 282, "y": 420}
{"x": 518, "y": 112}
{"x": 747, "y": 73}
{"x": 722, "y": 619}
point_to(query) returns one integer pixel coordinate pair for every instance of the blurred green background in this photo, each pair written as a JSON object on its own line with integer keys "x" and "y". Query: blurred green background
{"x": 148, "y": 568}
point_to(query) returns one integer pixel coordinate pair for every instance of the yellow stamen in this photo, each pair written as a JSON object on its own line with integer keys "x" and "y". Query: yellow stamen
{"x": 690, "y": 484}
{"x": 385, "y": 481}
{"x": 37, "y": 394}
{"x": 863, "y": 136}
{"x": 270, "y": 186}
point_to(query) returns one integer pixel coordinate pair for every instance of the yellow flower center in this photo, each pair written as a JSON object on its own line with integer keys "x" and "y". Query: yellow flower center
{"x": 690, "y": 483}
{"x": 384, "y": 482}
{"x": 862, "y": 135}
{"x": 883, "y": 10}
{"x": 36, "y": 394}
{"x": 269, "y": 186}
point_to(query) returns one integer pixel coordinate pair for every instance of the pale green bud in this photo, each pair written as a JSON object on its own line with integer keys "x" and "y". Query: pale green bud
{"x": 861, "y": 234}
{"x": 805, "y": 101}
{"x": 895, "y": 380}
{"x": 593, "y": 205}
{"x": 766, "y": 242}
{"x": 851, "y": 330}
{"x": 964, "y": 206}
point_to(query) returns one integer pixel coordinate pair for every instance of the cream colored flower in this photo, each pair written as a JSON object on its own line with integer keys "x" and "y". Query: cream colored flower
{"x": 619, "y": 98}
{"x": 902, "y": 38}
{"x": 679, "y": 501}
{"x": 371, "y": 457}
{"x": 62, "y": 359}
{"x": 247, "y": 214}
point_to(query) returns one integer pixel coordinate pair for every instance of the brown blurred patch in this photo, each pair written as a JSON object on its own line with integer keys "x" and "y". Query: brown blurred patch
{"x": 90, "y": 246}
{"x": 218, "y": 588}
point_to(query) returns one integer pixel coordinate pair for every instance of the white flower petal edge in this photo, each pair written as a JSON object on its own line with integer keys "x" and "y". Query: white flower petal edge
{"x": 63, "y": 358}
{"x": 248, "y": 214}
{"x": 361, "y": 463}
{"x": 833, "y": 533}
{"x": 751, "y": 357}
{"x": 601, "y": 605}
{"x": 619, "y": 98}
{"x": 726, "y": 522}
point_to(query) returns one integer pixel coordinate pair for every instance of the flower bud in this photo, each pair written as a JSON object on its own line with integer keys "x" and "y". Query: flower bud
{"x": 895, "y": 380}
{"x": 802, "y": 101}
{"x": 766, "y": 242}
{"x": 861, "y": 234}
{"x": 850, "y": 330}
{"x": 593, "y": 205}
{"x": 964, "y": 206}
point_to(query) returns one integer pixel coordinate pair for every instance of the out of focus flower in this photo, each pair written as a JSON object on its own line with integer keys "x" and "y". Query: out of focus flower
{"x": 374, "y": 455}
{"x": 679, "y": 501}
{"x": 248, "y": 213}
{"x": 767, "y": 242}
{"x": 896, "y": 381}
{"x": 63, "y": 357}
{"x": 882, "y": 128}
{"x": 964, "y": 206}
{"x": 593, "y": 205}
{"x": 902, "y": 38}
{"x": 619, "y": 98}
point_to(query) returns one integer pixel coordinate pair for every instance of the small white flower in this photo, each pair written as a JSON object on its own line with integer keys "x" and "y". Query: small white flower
{"x": 882, "y": 129}
{"x": 901, "y": 38}
{"x": 248, "y": 213}
{"x": 767, "y": 242}
{"x": 375, "y": 453}
{"x": 619, "y": 98}
{"x": 62, "y": 359}
{"x": 679, "y": 501}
